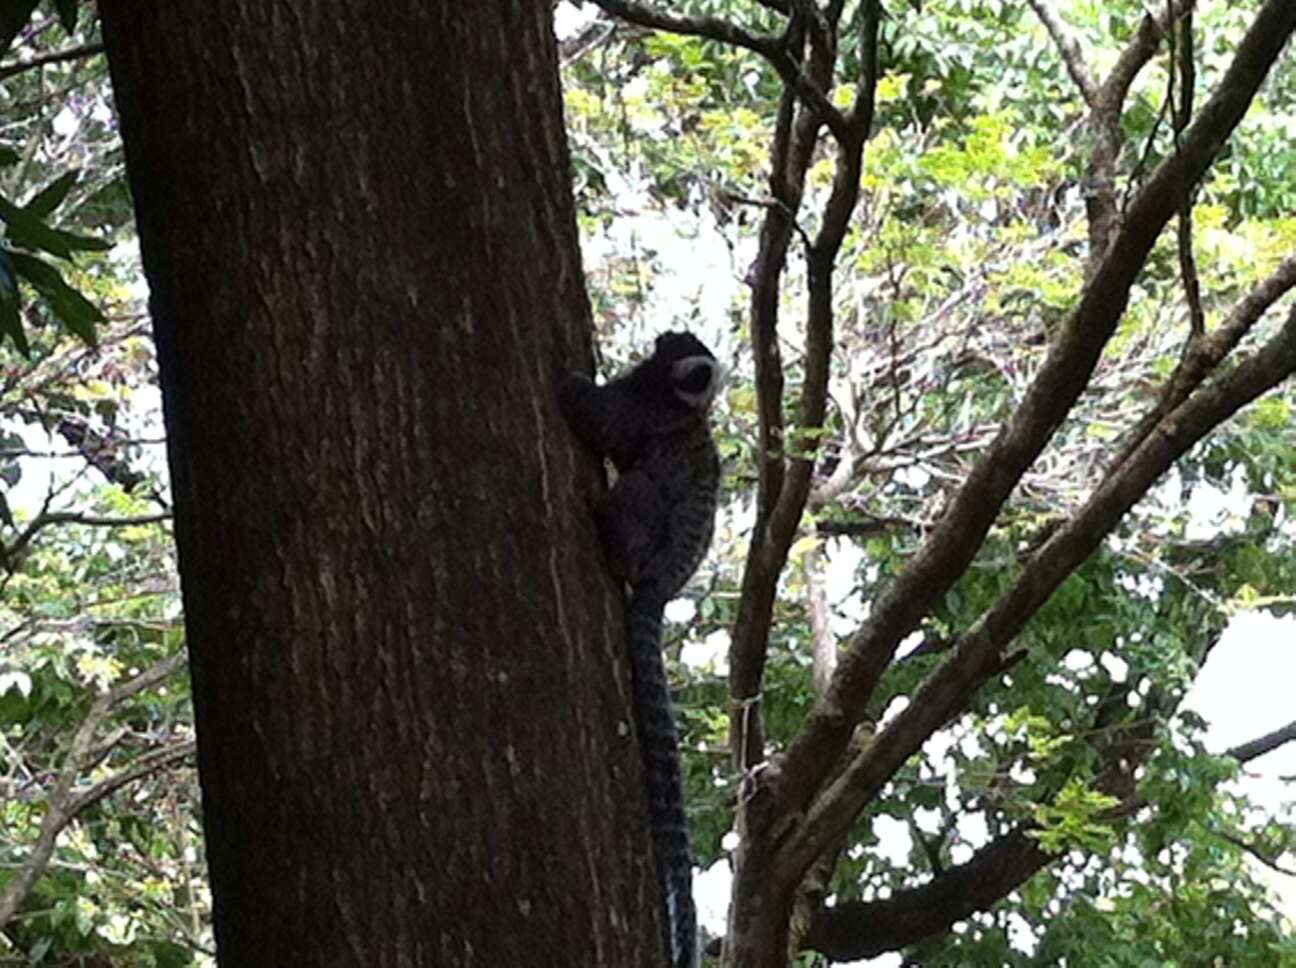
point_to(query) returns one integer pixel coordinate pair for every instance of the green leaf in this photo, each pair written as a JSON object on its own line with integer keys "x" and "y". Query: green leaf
{"x": 14, "y": 16}
{"x": 9, "y": 157}
{"x": 76, "y": 312}
{"x": 29, "y": 231}
{"x": 67, "y": 13}
{"x": 49, "y": 197}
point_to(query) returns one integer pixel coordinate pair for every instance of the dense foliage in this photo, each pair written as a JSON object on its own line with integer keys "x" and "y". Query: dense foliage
{"x": 100, "y": 857}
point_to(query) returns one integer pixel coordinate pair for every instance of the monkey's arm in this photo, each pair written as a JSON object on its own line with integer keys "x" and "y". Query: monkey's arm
{"x": 631, "y": 520}
{"x": 581, "y": 404}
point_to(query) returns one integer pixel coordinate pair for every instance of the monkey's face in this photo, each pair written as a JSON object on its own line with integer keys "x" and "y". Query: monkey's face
{"x": 692, "y": 371}
{"x": 695, "y": 380}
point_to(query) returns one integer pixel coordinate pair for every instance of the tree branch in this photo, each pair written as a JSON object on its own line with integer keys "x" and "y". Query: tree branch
{"x": 712, "y": 28}
{"x": 55, "y": 57}
{"x": 145, "y": 765}
{"x": 1139, "y": 51}
{"x": 1101, "y": 206}
{"x": 590, "y": 36}
{"x": 786, "y": 474}
{"x": 862, "y": 929}
{"x": 47, "y": 518}
{"x": 1261, "y": 745}
{"x": 792, "y": 147}
{"x": 1069, "y": 49}
{"x": 1203, "y": 355}
{"x": 1182, "y": 70}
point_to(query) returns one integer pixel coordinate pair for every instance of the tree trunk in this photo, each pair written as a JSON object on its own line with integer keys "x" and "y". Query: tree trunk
{"x": 411, "y": 704}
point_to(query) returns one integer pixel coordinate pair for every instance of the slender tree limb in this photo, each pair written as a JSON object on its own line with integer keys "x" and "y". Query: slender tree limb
{"x": 794, "y": 141}
{"x": 100, "y": 450}
{"x": 1264, "y": 858}
{"x": 45, "y": 519}
{"x": 152, "y": 676}
{"x": 1069, "y": 49}
{"x": 780, "y": 511}
{"x": 862, "y": 929}
{"x": 786, "y": 473}
{"x": 1183, "y": 71}
{"x": 783, "y": 506}
{"x": 712, "y": 28}
{"x": 1101, "y": 204}
{"x": 55, "y": 57}
{"x": 1261, "y": 745}
{"x": 145, "y": 765}
{"x": 1203, "y": 355}
{"x": 1147, "y": 38}
{"x": 586, "y": 39}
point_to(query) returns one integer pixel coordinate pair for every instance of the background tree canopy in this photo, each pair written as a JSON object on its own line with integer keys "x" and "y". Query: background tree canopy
{"x": 1005, "y": 290}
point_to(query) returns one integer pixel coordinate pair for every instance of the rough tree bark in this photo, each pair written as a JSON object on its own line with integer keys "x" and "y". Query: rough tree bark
{"x": 358, "y": 229}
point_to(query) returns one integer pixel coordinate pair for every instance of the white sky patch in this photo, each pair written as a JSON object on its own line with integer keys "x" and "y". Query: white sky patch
{"x": 1212, "y": 510}
{"x": 960, "y": 853}
{"x": 65, "y": 123}
{"x": 973, "y": 828}
{"x": 1021, "y": 936}
{"x": 1077, "y": 660}
{"x": 893, "y": 839}
{"x": 569, "y": 18}
{"x": 894, "y": 708}
{"x": 711, "y": 896}
{"x": 927, "y": 819}
{"x": 40, "y": 474}
{"x": 938, "y": 745}
{"x": 710, "y": 653}
{"x": 846, "y": 606}
{"x": 1245, "y": 690}
{"x": 889, "y": 960}
{"x": 126, "y": 255}
{"x": 695, "y": 277}
{"x": 914, "y": 477}
{"x": 1117, "y": 668}
{"x": 970, "y": 745}
{"x": 909, "y": 643}
{"x": 1019, "y": 772}
{"x": 680, "y": 611}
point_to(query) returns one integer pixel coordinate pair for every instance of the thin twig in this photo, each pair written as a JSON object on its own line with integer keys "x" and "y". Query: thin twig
{"x": 58, "y": 56}
{"x": 1267, "y": 743}
{"x": 1069, "y": 48}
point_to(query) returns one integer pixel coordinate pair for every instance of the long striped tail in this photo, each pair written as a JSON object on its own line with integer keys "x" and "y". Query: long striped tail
{"x": 659, "y": 746}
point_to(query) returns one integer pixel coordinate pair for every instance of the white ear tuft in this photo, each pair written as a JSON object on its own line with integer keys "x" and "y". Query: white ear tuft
{"x": 696, "y": 379}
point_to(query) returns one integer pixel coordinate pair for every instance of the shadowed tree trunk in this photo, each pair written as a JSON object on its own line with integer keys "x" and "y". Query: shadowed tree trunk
{"x": 358, "y": 229}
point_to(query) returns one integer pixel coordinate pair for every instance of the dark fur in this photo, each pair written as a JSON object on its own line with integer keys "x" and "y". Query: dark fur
{"x": 656, "y": 524}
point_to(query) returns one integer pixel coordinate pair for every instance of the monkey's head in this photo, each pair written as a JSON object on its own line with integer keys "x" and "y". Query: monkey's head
{"x": 681, "y": 373}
